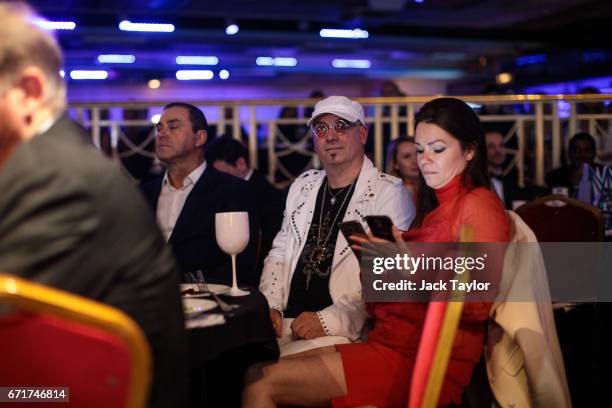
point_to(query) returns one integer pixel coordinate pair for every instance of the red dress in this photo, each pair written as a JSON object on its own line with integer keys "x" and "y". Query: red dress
{"x": 378, "y": 372}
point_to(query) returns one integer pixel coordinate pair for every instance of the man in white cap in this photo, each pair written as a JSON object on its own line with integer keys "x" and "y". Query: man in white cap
{"x": 311, "y": 276}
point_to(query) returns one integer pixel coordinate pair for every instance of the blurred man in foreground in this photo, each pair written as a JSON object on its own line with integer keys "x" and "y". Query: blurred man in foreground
{"x": 69, "y": 217}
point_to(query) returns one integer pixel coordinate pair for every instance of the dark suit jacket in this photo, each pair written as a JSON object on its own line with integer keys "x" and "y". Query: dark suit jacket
{"x": 193, "y": 238}
{"x": 513, "y": 192}
{"x": 562, "y": 176}
{"x": 271, "y": 204}
{"x": 70, "y": 219}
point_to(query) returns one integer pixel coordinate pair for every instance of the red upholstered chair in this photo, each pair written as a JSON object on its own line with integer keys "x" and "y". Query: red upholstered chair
{"x": 561, "y": 219}
{"x": 51, "y": 338}
{"x": 557, "y": 218}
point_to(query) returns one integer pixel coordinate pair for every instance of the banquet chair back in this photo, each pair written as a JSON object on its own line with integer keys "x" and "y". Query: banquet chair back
{"x": 51, "y": 338}
{"x": 557, "y": 218}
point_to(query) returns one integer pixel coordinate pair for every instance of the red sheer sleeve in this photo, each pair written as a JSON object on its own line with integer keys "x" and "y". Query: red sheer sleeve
{"x": 484, "y": 212}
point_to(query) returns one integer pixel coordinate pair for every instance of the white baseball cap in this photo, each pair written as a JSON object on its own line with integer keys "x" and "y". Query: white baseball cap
{"x": 340, "y": 106}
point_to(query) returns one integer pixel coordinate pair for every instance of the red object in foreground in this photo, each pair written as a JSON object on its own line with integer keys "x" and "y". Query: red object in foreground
{"x": 45, "y": 351}
{"x": 427, "y": 351}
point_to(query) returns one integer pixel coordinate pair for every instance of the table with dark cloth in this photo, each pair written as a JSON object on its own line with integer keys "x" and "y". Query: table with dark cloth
{"x": 220, "y": 355}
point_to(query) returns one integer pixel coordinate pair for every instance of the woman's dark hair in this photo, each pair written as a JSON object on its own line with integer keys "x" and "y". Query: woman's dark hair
{"x": 460, "y": 121}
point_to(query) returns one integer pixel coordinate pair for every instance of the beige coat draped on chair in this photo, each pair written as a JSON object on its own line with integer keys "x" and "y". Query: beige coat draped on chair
{"x": 524, "y": 361}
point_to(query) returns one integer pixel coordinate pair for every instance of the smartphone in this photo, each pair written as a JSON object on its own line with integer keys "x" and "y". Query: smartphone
{"x": 381, "y": 226}
{"x": 349, "y": 228}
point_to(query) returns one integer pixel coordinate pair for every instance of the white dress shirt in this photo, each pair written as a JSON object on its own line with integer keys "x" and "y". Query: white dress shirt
{"x": 171, "y": 200}
{"x": 498, "y": 185}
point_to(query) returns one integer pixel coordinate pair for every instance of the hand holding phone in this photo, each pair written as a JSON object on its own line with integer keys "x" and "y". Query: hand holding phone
{"x": 381, "y": 226}
{"x": 349, "y": 228}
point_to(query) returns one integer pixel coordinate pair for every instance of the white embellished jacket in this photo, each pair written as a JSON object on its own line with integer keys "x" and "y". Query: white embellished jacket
{"x": 375, "y": 193}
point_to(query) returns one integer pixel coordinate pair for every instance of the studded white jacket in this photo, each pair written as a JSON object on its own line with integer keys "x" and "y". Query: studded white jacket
{"x": 375, "y": 193}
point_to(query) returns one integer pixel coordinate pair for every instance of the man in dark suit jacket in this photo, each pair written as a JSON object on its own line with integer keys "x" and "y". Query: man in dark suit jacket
{"x": 69, "y": 218}
{"x": 582, "y": 150}
{"x": 505, "y": 185}
{"x": 191, "y": 192}
{"x": 230, "y": 156}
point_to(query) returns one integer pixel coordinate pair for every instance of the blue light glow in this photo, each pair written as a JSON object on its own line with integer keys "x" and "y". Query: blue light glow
{"x": 264, "y": 61}
{"x": 55, "y": 25}
{"x": 87, "y": 74}
{"x": 285, "y": 62}
{"x": 278, "y": 61}
{"x": 189, "y": 75}
{"x": 530, "y": 59}
{"x": 594, "y": 56}
{"x": 351, "y": 63}
{"x": 356, "y": 33}
{"x": 116, "y": 59}
{"x": 232, "y": 29}
{"x": 224, "y": 74}
{"x": 196, "y": 60}
{"x": 127, "y": 25}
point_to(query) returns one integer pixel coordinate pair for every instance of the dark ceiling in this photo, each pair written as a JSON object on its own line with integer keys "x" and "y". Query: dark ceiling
{"x": 467, "y": 41}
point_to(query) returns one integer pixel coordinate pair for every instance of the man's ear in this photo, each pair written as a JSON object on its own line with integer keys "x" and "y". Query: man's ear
{"x": 202, "y": 137}
{"x": 28, "y": 93}
{"x": 32, "y": 83}
{"x": 363, "y": 134}
{"x": 241, "y": 164}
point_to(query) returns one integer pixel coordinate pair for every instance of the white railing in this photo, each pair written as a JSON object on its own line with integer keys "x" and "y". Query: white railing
{"x": 540, "y": 133}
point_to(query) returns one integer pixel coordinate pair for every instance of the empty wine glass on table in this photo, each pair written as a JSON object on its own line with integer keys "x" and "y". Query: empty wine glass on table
{"x": 232, "y": 233}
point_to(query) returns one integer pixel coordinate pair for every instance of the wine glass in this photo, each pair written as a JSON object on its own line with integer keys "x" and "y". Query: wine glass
{"x": 232, "y": 233}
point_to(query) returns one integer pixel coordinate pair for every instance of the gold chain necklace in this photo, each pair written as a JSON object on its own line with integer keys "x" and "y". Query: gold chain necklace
{"x": 320, "y": 247}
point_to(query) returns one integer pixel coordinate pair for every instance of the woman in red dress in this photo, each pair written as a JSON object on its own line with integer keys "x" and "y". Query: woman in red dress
{"x": 454, "y": 190}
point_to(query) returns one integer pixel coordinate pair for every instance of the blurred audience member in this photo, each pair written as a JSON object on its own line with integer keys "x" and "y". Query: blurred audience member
{"x": 402, "y": 162}
{"x": 228, "y": 129}
{"x": 293, "y": 147}
{"x": 293, "y": 132}
{"x": 70, "y": 218}
{"x": 603, "y": 132}
{"x": 189, "y": 194}
{"x": 316, "y": 94}
{"x": 505, "y": 127}
{"x": 581, "y": 151}
{"x": 505, "y": 187}
{"x": 136, "y": 146}
{"x": 389, "y": 89}
{"x": 229, "y": 155}
{"x": 505, "y": 183}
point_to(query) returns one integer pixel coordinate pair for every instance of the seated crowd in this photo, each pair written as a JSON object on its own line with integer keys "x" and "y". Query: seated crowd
{"x": 72, "y": 220}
